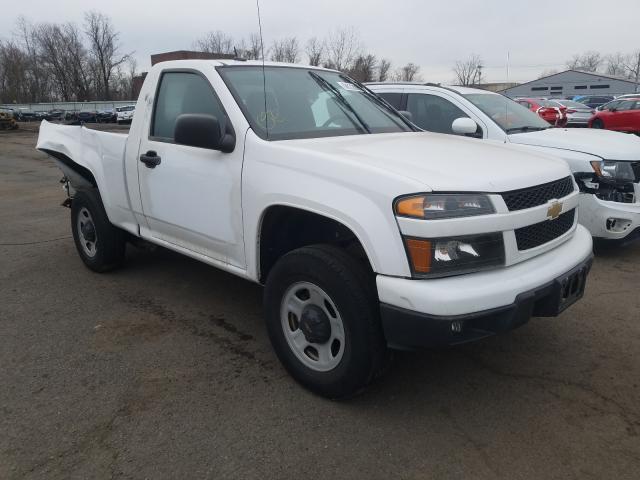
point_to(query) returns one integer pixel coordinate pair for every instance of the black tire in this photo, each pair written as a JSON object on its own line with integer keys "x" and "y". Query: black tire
{"x": 352, "y": 289}
{"x": 597, "y": 123}
{"x": 110, "y": 241}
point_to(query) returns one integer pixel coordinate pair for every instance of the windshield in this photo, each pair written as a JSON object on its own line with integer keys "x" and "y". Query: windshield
{"x": 308, "y": 103}
{"x": 510, "y": 116}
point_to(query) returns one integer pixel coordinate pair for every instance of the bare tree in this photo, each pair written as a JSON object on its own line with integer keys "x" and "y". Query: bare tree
{"x": 104, "y": 48}
{"x": 315, "y": 50}
{"x": 215, "y": 42}
{"x": 363, "y": 68}
{"x": 384, "y": 67}
{"x": 253, "y": 50}
{"x": 285, "y": 50}
{"x": 469, "y": 71}
{"x": 14, "y": 66}
{"x": 586, "y": 62}
{"x": 616, "y": 65}
{"x": 342, "y": 47}
{"x": 34, "y": 78}
{"x": 632, "y": 66}
{"x": 408, "y": 73}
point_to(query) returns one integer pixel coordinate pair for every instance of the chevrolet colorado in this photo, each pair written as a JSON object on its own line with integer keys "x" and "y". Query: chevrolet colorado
{"x": 365, "y": 233}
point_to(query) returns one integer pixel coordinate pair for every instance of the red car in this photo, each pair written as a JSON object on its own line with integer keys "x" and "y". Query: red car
{"x": 621, "y": 115}
{"x": 551, "y": 111}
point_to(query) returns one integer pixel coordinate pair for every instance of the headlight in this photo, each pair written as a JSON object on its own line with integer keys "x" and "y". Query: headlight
{"x": 434, "y": 206}
{"x": 612, "y": 170}
{"x": 441, "y": 257}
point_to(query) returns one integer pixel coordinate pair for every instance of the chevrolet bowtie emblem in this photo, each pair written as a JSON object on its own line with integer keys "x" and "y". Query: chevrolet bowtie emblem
{"x": 554, "y": 210}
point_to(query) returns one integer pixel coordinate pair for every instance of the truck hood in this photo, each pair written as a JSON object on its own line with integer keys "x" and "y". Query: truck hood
{"x": 605, "y": 144}
{"x": 437, "y": 161}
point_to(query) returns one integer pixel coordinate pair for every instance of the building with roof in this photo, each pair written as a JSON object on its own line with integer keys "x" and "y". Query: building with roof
{"x": 570, "y": 83}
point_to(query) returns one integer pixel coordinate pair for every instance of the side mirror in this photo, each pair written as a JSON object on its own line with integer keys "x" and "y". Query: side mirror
{"x": 464, "y": 126}
{"x": 406, "y": 114}
{"x": 202, "y": 131}
{"x": 613, "y": 109}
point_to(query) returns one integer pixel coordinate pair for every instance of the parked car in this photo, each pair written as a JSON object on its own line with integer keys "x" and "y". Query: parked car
{"x": 578, "y": 114}
{"x": 593, "y": 101}
{"x": 88, "y": 116}
{"x": 365, "y": 232}
{"x": 106, "y": 116}
{"x": 628, "y": 95}
{"x": 551, "y": 111}
{"x": 606, "y": 164}
{"x": 620, "y": 115}
{"x": 125, "y": 114}
{"x": 25, "y": 116}
{"x": 56, "y": 114}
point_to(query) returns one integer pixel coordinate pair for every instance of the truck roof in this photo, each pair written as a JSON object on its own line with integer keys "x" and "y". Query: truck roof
{"x": 223, "y": 62}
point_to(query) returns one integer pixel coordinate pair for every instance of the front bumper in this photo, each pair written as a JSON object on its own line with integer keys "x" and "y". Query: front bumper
{"x": 609, "y": 220}
{"x": 417, "y": 313}
{"x": 405, "y": 329}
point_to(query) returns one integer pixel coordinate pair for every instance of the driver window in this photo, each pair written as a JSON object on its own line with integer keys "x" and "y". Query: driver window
{"x": 432, "y": 113}
{"x": 182, "y": 92}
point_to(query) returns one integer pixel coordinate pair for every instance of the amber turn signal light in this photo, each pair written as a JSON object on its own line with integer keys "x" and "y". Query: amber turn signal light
{"x": 411, "y": 207}
{"x": 420, "y": 254}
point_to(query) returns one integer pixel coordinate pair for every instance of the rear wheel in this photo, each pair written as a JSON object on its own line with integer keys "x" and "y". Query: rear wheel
{"x": 101, "y": 245}
{"x": 322, "y": 316}
{"x": 597, "y": 123}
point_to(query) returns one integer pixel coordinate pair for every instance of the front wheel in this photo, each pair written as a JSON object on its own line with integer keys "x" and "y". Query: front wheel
{"x": 323, "y": 320}
{"x": 597, "y": 123}
{"x": 100, "y": 244}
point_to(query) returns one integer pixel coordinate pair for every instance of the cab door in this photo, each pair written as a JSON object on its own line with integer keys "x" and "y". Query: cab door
{"x": 190, "y": 196}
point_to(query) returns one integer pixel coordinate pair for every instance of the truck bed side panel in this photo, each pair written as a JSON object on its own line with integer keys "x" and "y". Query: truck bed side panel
{"x": 102, "y": 153}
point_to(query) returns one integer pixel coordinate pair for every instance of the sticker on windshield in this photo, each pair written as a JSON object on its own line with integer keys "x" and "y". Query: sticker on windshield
{"x": 349, "y": 86}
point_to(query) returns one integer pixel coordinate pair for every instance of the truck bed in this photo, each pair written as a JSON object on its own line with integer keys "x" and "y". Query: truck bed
{"x": 78, "y": 151}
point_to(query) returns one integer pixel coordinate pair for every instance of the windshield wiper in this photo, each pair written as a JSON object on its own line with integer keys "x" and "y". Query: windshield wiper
{"x": 343, "y": 101}
{"x": 526, "y": 128}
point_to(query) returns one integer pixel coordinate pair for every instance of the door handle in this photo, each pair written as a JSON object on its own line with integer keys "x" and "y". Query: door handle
{"x": 150, "y": 159}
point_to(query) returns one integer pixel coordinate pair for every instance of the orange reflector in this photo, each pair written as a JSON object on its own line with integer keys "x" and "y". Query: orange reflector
{"x": 420, "y": 254}
{"x": 411, "y": 207}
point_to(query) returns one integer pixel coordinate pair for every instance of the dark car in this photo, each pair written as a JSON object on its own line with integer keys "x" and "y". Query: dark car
{"x": 106, "y": 116}
{"x": 88, "y": 116}
{"x": 56, "y": 114}
{"x": 594, "y": 101}
{"x": 25, "y": 116}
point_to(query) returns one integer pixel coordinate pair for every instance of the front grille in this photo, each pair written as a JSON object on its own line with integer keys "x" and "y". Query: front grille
{"x": 538, "y": 234}
{"x": 538, "y": 195}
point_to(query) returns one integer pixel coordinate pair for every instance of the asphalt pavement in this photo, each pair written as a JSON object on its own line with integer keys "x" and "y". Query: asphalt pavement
{"x": 163, "y": 369}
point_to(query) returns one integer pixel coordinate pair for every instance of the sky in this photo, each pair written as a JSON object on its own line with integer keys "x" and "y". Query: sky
{"x": 530, "y": 37}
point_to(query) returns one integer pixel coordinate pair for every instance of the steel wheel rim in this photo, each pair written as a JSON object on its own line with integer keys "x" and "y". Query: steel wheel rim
{"x": 298, "y": 299}
{"x": 85, "y": 227}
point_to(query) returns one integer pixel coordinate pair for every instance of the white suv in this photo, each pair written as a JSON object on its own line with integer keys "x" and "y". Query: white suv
{"x": 125, "y": 114}
{"x": 605, "y": 164}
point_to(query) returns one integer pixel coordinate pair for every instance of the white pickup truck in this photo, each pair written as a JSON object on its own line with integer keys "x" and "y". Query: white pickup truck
{"x": 366, "y": 233}
{"x": 606, "y": 164}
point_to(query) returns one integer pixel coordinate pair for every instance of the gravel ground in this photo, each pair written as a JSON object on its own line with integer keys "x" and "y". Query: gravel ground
{"x": 164, "y": 370}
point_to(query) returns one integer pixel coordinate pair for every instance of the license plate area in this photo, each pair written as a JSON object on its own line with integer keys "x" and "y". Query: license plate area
{"x": 565, "y": 291}
{"x": 572, "y": 288}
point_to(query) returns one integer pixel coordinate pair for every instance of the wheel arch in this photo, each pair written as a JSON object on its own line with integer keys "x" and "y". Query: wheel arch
{"x": 283, "y": 228}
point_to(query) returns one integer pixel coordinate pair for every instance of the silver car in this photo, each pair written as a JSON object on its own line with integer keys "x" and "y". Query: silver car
{"x": 578, "y": 114}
